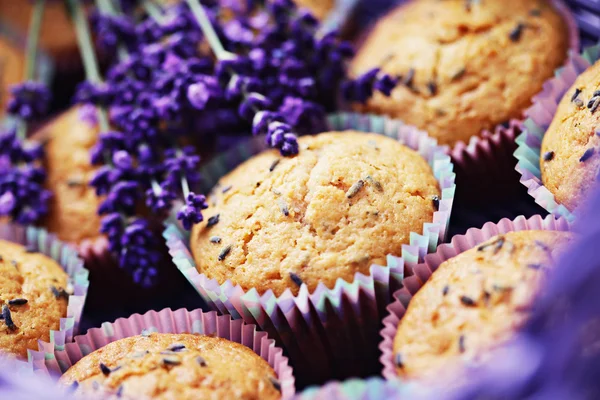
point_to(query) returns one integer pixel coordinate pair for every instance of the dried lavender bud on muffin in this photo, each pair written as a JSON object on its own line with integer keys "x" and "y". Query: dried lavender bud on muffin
{"x": 12, "y": 62}
{"x": 465, "y": 66}
{"x": 33, "y": 298}
{"x": 345, "y": 202}
{"x": 569, "y": 158}
{"x": 474, "y": 302}
{"x": 174, "y": 366}
{"x": 73, "y": 207}
{"x": 57, "y": 36}
{"x": 319, "y": 8}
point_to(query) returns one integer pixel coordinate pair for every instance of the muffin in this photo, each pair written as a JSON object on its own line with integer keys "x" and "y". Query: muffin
{"x": 474, "y": 302}
{"x": 12, "y": 65}
{"x": 465, "y": 66}
{"x": 57, "y": 36}
{"x": 174, "y": 366}
{"x": 569, "y": 160}
{"x": 344, "y": 203}
{"x": 34, "y": 298}
{"x": 319, "y": 8}
{"x": 73, "y": 207}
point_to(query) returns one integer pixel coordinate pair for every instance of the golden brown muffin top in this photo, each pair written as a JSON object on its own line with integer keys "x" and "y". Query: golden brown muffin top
{"x": 465, "y": 66}
{"x": 32, "y": 289}
{"x": 12, "y": 65}
{"x": 474, "y": 302}
{"x": 345, "y": 202}
{"x": 174, "y": 366}
{"x": 319, "y": 8}
{"x": 73, "y": 207}
{"x": 57, "y": 34}
{"x": 569, "y": 155}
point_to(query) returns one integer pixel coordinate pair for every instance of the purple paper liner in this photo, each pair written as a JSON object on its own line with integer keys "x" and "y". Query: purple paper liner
{"x": 422, "y": 272}
{"x": 330, "y": 333}
{"x": 169, "y": 321}
{"x": 41, "y": 241}
{"x": 540, "y": 116}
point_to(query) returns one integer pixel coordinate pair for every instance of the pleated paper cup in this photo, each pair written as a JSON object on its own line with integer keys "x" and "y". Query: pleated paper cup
{"x": 486, "y": 161}
{"x": 423, "y": 271}
{"x": 169, "y": 321}
{"x": 38, "y": 240}
{"x": 330, "y": 333}
{"x": 540, "y": 117}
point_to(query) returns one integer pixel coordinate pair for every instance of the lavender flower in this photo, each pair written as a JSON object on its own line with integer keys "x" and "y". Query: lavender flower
{"x": 22, "y": 194}
{"x": 30, "y": 100}
{"x": 191, "y": 213}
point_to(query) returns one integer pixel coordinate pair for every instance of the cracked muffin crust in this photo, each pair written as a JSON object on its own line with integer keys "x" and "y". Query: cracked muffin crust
{"x": 174, "y": 366}
{"x": 72, "y": 216}
{"x": 474, "y": 302}
{"x": 33, "y": 298}
{"x": 569, "y": 159}
{"x": 465, "y": 66}
{"x": 345, "y": 202}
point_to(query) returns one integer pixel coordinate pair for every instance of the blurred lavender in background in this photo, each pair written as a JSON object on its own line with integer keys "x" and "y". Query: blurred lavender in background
{"x": 18, "y": 383}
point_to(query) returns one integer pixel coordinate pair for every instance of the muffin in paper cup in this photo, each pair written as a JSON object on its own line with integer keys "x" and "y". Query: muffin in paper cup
{"x": 485, "y": 160}
{"x": 423, "y": 271}
{"x": 330, "y": 332}
{"x": 169, "y": 321}
{"x": 540, "y": 116}
{"x": 38, "y": 240}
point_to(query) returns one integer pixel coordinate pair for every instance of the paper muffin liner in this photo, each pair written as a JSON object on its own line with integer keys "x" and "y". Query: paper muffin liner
{"x": 39, "y": 240}
{"x": 540, "y": 116}
{"x": 169, "y": 321}
{"x": 423, "y": 271}
{"x": 325, "y": 332}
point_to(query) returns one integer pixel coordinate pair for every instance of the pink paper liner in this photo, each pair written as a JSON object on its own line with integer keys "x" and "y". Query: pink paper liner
{"x": 169, "y": 321}
{"x": 41, "y": 241}
{"x": 330, "y": 333}
{"x": 489, "y": 155}
{"x": 422, "y": 272}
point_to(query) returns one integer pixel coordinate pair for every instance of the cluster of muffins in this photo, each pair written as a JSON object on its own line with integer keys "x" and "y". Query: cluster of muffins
{"x": 287, "y": 228}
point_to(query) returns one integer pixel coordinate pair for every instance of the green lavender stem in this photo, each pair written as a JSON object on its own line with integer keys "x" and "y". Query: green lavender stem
{"x": 88, "y": 56}
{"x": 209, "y": 31}
{"x": 33, "y": 37}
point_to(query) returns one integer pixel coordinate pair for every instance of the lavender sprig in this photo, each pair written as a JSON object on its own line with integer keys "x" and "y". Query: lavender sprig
{"x": 23, "y": 197}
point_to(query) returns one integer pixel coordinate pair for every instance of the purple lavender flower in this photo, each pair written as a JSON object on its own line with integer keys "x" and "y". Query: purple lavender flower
{"x": 22, "y": 194}
{"x": 191, "y": 213}
{"x": 160, "y": 201}
{"x": 30, "y": 101}
{"x": 114, "y": 30}
{"x": 139, "y": 253}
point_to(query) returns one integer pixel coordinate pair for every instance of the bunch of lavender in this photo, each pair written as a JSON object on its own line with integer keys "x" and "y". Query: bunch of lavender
{"x": 22, "y": 194}
{"x": 267, "y": 70}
